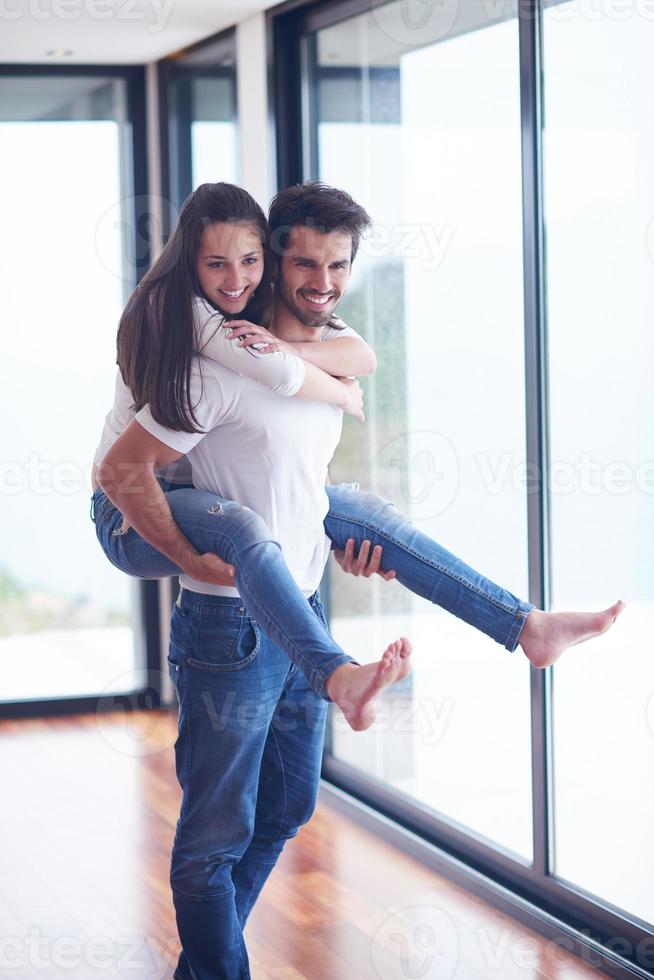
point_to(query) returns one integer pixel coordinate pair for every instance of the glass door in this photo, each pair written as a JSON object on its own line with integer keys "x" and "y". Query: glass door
{"x": 66, "y": 250}
{"x": 421, "y": 124}
{"x": 599, "y": 156}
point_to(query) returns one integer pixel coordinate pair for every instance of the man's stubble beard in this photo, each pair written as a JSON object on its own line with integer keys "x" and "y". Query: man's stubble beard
{"x": 315, "y": 320}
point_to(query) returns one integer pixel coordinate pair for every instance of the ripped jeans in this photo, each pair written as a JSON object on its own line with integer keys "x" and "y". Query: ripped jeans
{"x": 270, "y": 594}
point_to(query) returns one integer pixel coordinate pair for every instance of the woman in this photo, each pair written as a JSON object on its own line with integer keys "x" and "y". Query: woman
{"x": 173, "y": 315}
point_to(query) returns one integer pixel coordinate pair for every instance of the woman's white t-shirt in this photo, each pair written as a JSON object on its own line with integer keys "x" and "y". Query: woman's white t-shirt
{"x": 281, "y": 372}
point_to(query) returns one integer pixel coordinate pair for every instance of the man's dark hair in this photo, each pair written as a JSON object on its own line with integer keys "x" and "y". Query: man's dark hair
{"x": 315, "y": 205}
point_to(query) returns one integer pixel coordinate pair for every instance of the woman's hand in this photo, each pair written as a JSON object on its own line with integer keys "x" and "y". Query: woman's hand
{"x": 352, "y": 398}
{"x": 249, "y": 334}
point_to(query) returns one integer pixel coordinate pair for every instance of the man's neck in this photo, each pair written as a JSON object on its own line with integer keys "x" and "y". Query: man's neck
{"x": 286, "y": 326}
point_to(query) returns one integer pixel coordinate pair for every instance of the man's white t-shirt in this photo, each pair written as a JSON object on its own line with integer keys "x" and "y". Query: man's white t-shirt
{"x": 268, "y": 453}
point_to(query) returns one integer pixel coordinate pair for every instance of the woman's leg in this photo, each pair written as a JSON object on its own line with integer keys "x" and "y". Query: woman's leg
{"x": 431, "y": 571}
{"x": 423, "y": 566}
{"x": 269, "y": 592}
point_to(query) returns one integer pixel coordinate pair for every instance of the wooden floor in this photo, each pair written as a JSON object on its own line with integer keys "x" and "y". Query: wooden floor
{"x": 89, "y": 806}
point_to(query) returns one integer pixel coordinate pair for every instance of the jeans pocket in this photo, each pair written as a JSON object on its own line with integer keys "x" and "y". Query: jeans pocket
{"x": 229, "y": 641}
{"x": 101, "y": 508}
{"x": 319, "y": 610}
{"x": 173, "y": 669}
{"x": 178, "y": 637}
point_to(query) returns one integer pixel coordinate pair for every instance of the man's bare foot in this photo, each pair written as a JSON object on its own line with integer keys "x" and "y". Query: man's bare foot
{"x": 355, "y": 688}
{"x": 546, "y": 635}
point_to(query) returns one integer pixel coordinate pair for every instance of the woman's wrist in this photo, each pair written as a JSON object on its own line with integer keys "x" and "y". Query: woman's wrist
{"x": 344, "y": 400}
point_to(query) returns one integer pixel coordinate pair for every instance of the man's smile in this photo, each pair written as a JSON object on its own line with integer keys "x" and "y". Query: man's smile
{"x": 316, "y": 299}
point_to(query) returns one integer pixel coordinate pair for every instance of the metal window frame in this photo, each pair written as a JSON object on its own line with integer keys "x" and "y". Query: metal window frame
{"x": 146, "y": 627}
{"x": 558, "y": 909}
{"x": 175, "y": 114}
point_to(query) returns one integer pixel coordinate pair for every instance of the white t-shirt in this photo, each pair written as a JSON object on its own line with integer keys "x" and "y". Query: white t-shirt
{"x": 270, "y": 454}
{"x": 281, "y": 372}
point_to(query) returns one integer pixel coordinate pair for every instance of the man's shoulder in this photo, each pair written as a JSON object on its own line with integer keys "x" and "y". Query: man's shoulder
{"x": 336, "y": 327}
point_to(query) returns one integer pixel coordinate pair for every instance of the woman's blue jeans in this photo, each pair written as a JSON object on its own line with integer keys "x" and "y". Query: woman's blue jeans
{"x": 270, "y": 594}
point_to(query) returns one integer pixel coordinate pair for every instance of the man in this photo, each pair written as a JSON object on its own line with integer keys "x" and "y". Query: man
{"x": 251, "y": 729}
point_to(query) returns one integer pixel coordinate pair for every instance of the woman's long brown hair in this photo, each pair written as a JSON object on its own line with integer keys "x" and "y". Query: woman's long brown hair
{"x": 156, "y": 333}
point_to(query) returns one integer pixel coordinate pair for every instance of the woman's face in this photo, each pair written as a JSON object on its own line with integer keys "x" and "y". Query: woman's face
{"x": 230, "y": 265}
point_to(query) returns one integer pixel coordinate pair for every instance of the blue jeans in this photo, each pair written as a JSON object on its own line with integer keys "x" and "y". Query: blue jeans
{"x": 269, "y": 592}
{"x": 267, "y": 588}
{"x": 248, "y": 757}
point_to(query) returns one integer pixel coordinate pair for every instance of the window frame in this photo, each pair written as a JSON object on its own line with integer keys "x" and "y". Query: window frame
{"x": 175, "y": 116}
{"x": 147, "y": 634}
{"x": 582, "y": 922}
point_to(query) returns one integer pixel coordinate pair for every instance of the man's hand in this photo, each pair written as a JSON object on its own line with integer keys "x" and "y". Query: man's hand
{"x": 210, "y": 568}
{"x": 364, "y": 563}
{"x": 249, "y": 333}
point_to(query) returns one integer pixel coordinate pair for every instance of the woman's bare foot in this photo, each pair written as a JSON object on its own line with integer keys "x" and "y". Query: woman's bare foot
{"x": 546, "y": 635}
{"x": 354, "y": 689}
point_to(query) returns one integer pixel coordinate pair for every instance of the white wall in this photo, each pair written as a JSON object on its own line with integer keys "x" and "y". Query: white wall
{"x": 256, "y": 159}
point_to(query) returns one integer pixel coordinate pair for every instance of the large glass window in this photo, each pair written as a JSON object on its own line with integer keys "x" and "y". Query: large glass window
{"x": 421, "y": 124}
{"x": 65, "y": 200}
{"x": 201, "y": 123}
{"x": 466, "y": 133}
{"x": 599, "y": 156}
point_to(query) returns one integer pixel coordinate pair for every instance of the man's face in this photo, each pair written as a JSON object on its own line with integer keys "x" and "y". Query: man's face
{"x": 313, "y": 274}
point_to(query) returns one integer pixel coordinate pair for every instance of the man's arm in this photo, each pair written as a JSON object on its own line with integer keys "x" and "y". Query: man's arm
{"x": 127, "y": 476}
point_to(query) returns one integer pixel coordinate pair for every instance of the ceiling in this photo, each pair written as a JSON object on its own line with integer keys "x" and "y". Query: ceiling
{"x": 118, "y": 32}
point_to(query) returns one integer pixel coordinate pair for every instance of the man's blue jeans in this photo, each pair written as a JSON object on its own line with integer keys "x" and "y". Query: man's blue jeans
{"x": 248, "y": 758}
{"x": 271, "y": 595}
